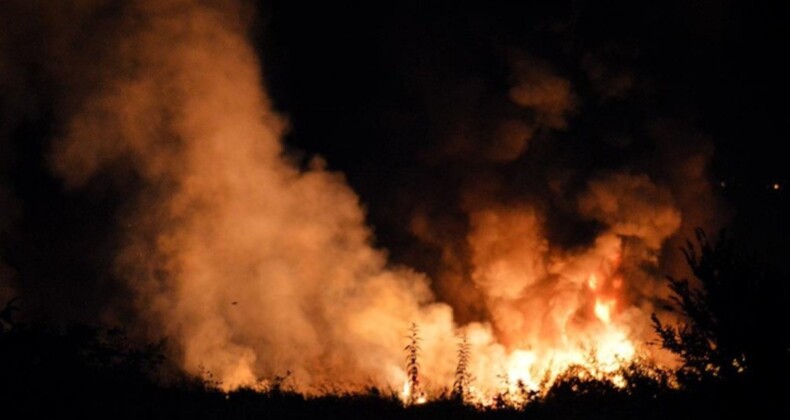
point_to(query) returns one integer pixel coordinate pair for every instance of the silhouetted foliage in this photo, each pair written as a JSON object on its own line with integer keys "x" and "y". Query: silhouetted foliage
{"x": 726, "y": 311}
{"x": 706, "y": 341}
{"x": 644, "y": 378}
{"x": 412, "y": 363}
{"x": 463, "y": 377}
{"x": 76, "y": 368}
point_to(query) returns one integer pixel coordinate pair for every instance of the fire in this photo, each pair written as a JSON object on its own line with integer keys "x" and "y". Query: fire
{"x": 222, "y": 216}
{"x": 603, "y": 307}
{"x": 589, "y": 324}
{"x": 520, "y": 366}
{"x": 614, "y": 349}
{"x": 407, "y": 398}
{"x": 603, "y": 310}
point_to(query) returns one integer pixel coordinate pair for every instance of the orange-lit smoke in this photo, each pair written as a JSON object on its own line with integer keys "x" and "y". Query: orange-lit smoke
{"x": 552, "y": 307}
{"x": 251, "y": 265}
{"x": 255, "y": 267}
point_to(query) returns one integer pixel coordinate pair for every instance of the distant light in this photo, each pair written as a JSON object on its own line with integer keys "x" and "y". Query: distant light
{"x": 776, "y": 186}
{"x": 723, "y": 184}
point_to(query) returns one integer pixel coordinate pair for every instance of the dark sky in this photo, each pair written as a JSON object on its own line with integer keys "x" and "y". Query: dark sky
{"x": 361, "y": 86}
{"x": 344, "y": 71}
{"x": 377, "y": 89}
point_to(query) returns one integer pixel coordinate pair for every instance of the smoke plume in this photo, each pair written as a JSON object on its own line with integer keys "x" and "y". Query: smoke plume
{"x": 255, "y": 266}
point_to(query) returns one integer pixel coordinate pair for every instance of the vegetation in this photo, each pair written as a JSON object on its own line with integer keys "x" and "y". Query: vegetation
{"x": 414, "y": 390}
{"x": 463, "y": 378}
{"x": 735, "y": 320}
{"x": 729, "y": 368}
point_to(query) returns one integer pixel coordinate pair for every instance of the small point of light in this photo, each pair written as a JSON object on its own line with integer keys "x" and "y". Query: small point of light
{"x": 723, "y": 184}
{"x": 776, "y": 186}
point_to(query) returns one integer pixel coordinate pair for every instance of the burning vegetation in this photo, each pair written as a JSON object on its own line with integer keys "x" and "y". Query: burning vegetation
{"x": 253, "y": 266}
{"x": 263, "y": 273}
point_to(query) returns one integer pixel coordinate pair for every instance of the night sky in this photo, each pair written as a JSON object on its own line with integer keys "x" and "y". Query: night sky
{"x": 380, "y": 91}
{"x": 376, "y": 89}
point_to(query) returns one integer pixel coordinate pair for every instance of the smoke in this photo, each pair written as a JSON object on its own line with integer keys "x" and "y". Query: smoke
{"x": 564, "y": 216}
{"x": 631, "y": 206}
{"x": 255, "y": 266}
{"x": 251, "y": 265}
{"x": 539, "y": 89}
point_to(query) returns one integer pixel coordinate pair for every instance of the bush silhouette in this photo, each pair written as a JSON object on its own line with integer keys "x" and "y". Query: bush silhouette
{"x": 725, "y": 311}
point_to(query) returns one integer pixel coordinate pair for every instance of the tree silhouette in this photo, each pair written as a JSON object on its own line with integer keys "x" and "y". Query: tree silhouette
{"x": 725, "y": 311}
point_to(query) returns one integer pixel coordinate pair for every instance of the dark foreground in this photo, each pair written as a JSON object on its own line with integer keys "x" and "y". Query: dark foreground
{"x": 94, "y": 373}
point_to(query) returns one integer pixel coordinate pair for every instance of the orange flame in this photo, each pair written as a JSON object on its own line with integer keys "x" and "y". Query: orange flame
{"x": 226, "y": 218}
{"x": 603, "y": 310}
{"x": 406, "y": 395}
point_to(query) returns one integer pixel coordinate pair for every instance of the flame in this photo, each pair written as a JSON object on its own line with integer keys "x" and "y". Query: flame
{"x": 223, "y": 217}
{"x": 543, "y": 332}
{"x": 520, "y": 366}
{"x": 406, "y": 395}
{"x": 603, "y": 310}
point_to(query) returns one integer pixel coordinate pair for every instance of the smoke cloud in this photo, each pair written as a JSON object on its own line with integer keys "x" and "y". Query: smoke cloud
{"x": 563, "y": 219}
{"x": 255, "y": 266}
{"x": 632, "y": 206}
